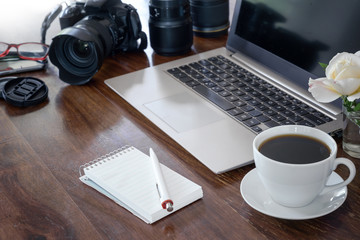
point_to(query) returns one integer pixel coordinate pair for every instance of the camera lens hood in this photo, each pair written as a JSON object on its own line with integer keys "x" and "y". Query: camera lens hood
{"x": 75, "y": 66}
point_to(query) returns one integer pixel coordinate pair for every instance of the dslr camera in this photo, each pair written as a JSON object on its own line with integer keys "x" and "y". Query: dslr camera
{"x": 91, "y": 31}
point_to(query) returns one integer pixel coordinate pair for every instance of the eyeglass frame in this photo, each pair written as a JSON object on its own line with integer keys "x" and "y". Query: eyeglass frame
{"x": 11, "y": 45}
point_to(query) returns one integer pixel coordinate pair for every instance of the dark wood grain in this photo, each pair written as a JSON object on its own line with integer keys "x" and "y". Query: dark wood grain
{"x": 42, "y": 147}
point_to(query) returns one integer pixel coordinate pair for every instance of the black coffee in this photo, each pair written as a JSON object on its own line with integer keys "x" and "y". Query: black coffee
{"x": 294, "y": 148}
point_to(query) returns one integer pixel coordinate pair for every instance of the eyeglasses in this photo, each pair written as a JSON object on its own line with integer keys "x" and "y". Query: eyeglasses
{"x": 28, "y": 51}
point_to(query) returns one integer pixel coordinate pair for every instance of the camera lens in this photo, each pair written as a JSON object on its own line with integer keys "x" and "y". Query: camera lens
{"x": 170, "y": 26}
{"x": 79, "y": 51}
{"x": 78, "y": 57}
{"x": 210, "y": 17}
{"x": 82, "y": 49}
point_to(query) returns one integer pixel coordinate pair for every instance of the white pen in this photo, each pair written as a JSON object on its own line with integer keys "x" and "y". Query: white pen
{"x": 165, "y": 200}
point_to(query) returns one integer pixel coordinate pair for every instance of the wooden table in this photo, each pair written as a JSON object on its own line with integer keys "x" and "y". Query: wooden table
{"x": 42, "y": 147}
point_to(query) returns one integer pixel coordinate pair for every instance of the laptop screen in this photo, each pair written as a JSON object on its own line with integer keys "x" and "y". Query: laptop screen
{"x": 291, "y": 37}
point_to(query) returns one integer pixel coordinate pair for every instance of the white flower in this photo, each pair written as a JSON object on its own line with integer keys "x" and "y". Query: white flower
{"x": 342, "y": 79}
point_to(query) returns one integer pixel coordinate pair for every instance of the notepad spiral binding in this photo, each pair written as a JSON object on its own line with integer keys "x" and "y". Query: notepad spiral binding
{"x": 104, "y": 158}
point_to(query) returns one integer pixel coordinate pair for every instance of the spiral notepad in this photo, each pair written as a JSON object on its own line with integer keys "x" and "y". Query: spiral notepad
{"x": 126, "y": 177}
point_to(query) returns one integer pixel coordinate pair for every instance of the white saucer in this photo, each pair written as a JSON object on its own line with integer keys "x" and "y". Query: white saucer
{"x": 254, "y": 193}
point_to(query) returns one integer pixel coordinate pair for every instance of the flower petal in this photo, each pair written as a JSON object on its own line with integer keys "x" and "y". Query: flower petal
{"x": 354, "y": 96}
{"x": 322, "y": 90}
{"x": 348, "y": 72}
{"x": 340, "y": 63}
{"x": 348, "y": 86}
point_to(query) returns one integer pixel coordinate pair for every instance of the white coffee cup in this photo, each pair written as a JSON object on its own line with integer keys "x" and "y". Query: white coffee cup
{"x": 296, "y": 185}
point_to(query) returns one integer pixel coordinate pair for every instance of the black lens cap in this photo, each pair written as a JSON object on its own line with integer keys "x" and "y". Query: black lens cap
{"x": 24, "y": 91}
{"x": 3, "y": 81}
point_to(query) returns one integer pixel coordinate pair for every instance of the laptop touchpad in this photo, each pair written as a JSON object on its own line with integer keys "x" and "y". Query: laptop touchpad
{"x": 183, "y": 112}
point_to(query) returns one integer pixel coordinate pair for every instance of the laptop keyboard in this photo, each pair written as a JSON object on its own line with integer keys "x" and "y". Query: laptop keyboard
{"x": 244, "y": 96}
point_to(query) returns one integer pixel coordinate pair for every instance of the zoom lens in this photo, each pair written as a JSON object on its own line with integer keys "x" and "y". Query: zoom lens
{"x": 210, "y": 17}
{"x": 79, "y": 51}
{"x": 170, "y": 27}
{"x": 82, "y": 49}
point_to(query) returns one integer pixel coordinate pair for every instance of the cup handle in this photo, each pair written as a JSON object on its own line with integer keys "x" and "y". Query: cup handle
{"x": 350, "y": 165}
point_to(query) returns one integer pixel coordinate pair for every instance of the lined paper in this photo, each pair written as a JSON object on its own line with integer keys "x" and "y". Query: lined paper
{"x": 127, "y": 178}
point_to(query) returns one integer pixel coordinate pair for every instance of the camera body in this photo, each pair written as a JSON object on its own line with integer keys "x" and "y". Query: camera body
{"x": 90, "y": 32}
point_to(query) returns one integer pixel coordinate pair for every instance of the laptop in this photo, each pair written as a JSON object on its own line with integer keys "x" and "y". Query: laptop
{"x": 273, "y": 47}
